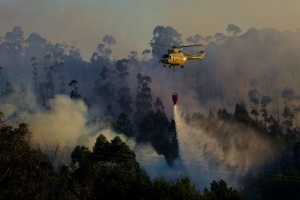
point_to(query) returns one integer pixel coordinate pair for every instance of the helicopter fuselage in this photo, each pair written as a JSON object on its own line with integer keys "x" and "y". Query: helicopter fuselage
{"x": 180, "y": 58}
{"x": 174, "y": 59}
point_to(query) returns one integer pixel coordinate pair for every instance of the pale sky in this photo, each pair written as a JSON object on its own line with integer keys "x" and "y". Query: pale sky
{"x": 131, "y": 22}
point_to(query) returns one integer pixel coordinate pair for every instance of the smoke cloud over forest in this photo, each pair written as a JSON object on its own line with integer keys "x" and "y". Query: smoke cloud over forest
{"x": 234, "y": 107}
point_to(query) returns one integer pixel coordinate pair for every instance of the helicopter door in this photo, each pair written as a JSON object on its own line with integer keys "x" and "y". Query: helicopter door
{"x": 172, "y": 58}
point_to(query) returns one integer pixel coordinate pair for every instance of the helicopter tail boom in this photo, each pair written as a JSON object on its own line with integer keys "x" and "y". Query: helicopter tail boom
{"x": 201, "y": 56}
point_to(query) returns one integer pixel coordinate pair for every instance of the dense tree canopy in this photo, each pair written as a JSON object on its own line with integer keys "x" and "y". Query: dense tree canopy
{"x": 120, "y": 92}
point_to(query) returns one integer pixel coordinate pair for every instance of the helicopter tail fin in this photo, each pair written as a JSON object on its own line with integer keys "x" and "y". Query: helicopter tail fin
{"x": 202, "y": 54}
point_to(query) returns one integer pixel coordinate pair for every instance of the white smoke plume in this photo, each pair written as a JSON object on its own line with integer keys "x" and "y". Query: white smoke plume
{"x": 208, "y": 155}
{"x": 203, "y": 156}
{"x": 57, "y": 131}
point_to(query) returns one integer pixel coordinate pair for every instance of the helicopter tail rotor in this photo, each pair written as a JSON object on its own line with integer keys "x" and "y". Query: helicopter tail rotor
{"x": 202, "y": 50}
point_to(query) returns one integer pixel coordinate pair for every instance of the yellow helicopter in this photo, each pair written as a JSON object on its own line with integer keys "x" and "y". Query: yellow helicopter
{"x": 176, "y": 57}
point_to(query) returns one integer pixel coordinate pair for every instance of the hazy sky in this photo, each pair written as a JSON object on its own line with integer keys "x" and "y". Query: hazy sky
{"x": 131, "y": 22}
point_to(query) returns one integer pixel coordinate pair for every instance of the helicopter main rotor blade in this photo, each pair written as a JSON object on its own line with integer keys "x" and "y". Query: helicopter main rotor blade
{"x": 174, "y": 47}
{"x": 193, "y": 45}
{"x": 159, "y": 45}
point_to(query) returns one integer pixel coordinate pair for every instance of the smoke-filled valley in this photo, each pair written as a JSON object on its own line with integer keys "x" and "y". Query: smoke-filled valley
{"x": 235, "y": 120}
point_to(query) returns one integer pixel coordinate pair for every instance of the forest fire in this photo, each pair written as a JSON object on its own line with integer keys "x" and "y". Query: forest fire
{"x": 118, "y": 101}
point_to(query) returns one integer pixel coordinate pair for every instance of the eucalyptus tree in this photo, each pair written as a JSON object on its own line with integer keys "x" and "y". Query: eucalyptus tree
{"x": 12, "y": 47}
{"x": 235, "y": 30}
{"x": 164, "y": 36}
{"x": 143, "y": 102}
{"x": 122, "y": 68}
{"x": 124, "y": 100}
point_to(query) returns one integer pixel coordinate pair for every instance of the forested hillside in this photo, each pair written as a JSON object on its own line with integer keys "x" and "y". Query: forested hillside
{"x": 237, "y": 110}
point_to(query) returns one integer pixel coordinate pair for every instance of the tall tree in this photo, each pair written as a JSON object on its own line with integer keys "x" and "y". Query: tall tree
{"x": 253, "y": 98}
{"x": 145, "y": 54}
{"x": 235, "y": 30}
{"x": 13, "y": 47}
{"x": 62, "y": 78}
{"x": 265, "y": 100}
{"x": 158, "y": 104}
{"x": 196, "y": 39}
{"x": 220, "y": 37}
{"x": 156, "y": 128}
{"x": 241, "y": 114}
{"x": 50, "y": 70}
{"x": 125, "y": 100}
{"x": 290, "y": 109}
{"x": 143, "y": 102}
{"x": 124, "y": 125}
{"x": 224, "y": 115}
{"x": 25, "y": 173}
{"x": 104, "y": 73}
{"x": 105, "y": 87}
{"x": 85, "y": 174}
{"x": 122, "y": 68}
{"x": 133, "y": 59}
{"x": 103, "y": 53}
{"x": 164, "y": 36}
{"x": 119, "y": 172}
{"x": 35, "y": 46}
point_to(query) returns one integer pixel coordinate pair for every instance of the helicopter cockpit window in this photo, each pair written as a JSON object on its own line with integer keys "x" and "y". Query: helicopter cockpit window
{"x": 165, "y": 56}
